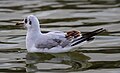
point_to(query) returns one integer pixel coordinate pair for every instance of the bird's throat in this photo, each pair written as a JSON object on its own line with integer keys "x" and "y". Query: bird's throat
{"x": 31, "y": 38}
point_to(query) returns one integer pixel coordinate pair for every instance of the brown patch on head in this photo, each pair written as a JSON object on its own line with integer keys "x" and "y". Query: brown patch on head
{"x": 73, "y": 34}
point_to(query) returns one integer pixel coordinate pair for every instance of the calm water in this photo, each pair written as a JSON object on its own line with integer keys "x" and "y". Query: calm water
{"x": 99, "y": 56}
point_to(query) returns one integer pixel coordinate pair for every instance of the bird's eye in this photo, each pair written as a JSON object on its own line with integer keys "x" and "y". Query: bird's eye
{"x": 26, "y": 20}
{"x": 30, "y": 22}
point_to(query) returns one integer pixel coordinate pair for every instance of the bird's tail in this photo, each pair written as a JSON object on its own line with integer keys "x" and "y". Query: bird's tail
{"x": 87, "y": 37}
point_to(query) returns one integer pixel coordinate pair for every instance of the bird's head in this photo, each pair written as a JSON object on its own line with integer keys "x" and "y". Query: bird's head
{"x": 30, "y": 22}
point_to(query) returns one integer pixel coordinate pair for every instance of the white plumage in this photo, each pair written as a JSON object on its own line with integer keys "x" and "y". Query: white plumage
{"x": 51, "y": 42}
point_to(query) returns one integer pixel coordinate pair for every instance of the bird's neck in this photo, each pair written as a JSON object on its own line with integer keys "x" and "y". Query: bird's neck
{"x": 33, "y": 32}
{"x": 32, "y": 35}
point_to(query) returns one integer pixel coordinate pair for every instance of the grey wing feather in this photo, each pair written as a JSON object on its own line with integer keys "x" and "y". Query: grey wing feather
{"x": 46, "y": 44}
{"x": 52, "y": 39}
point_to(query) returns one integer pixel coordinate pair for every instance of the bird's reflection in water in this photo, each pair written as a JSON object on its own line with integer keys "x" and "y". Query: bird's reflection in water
{"x": 70, "y": 61}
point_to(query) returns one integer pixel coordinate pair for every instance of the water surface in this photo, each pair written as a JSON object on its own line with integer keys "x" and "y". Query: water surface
{"x": 98, "y": 56}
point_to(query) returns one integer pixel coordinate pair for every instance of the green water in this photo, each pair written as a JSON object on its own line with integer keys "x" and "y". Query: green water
{"x": 99, "y": 56}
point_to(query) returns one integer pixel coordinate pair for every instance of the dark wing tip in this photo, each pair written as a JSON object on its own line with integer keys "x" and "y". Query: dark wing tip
{"x": 87, "y": 36}
{"x": 93, "y": 33}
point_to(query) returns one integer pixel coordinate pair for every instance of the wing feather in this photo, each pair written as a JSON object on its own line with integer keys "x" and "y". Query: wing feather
{"x": 51, "y": 40}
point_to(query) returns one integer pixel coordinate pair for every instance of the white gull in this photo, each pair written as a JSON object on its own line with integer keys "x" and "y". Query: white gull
{"x": 55, "y": 41}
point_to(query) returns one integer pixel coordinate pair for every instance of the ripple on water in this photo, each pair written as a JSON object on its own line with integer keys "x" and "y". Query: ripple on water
{"x": 98, "y": 56}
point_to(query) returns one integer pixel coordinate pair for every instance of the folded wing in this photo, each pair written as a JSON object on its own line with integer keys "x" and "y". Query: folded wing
{"x": 58, "y": 38}
{"x": 52, "y": 39}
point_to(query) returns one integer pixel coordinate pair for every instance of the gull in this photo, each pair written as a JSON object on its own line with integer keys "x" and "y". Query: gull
{"x": 53, "y": 41}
